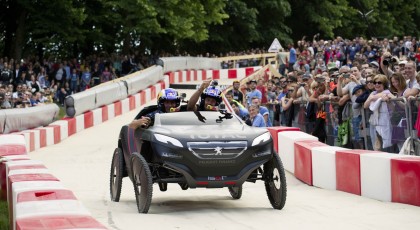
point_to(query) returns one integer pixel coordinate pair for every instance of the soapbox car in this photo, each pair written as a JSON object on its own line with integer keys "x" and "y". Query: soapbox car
{"x": 180, "y": 148}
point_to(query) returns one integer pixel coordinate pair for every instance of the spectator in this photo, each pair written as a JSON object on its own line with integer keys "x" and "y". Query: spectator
{"x": 254, "y": 92}
{"x": 74, "y": 81}
{"x": 236, "y": 93}
{"x": 85, "y": 79}
{"x": 380, "y": 117}
{"x": 410, "y": 75}
{"x": 263, "y": 111}
{"x": 257, "y": 119}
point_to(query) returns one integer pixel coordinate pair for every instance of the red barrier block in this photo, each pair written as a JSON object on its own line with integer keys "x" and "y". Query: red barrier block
{"x": 58, "y": 222}
{"x": 188, "y": 72}
{"x": 249, "y": 71}
{"x": 162, "y": 84}
{"x": 12, "y": 149}
{"x": 57, "y": 133}
{"x": 171, "y": 77}
{"x": 142, "y": 97}
{"x": 179, "y": 76}
{"x": 117, "y": 108}
{"x": 42, "y": 138}
{"x": 71, "y": 125}
{"x": 104, "y": 113}
{"x": 232, "y": 73}
{"x": 88, "y": 119}
{"x": 216, "y": 74}
{"x": 152, "y": 91}
{"x": 203, "y": 75}
{"x": 132, "y": 102}
{"x": 303, "y": 159}
{"x": 348, "y": 175}
{"x": 274, "y": 131}
{"x": 405, "y": 180}
{"x": 195, "y": 75}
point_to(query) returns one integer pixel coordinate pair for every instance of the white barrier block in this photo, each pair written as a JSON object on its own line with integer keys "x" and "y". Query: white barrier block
{"x": 27, "y": 137}
{"x": 50, "y": 208}
{"x": 111, "y": 111}
{"x": 240, "y": 73}
{"x": 29, "y": 171}
{"x": 14, "y": 157}
{"x": 184, "y": 76}
{"x": 97, "y": 116}
{"x": 137, "y": 100}
{"x": 209, "y": 73}
{"x": 158, "y": 88}
{"x": 223, "y": 73}
{"x": 15, "y": 139}
{"x": 375, "y": 175}
{"x": 125, "y": 106}
{"x": 324, "y": 167}
{"x": 80, "y": 123}
{"x": 21, "y": 163}
{"x": 286, "y": 142}
{"x": 148, "y": 94}
{"x": 176, "y": 77}
{"x": 37, "y": 138}
{"x": 167, "y": 82}
{"x": 64, "y": 128}
{"x": 199, "y": 75}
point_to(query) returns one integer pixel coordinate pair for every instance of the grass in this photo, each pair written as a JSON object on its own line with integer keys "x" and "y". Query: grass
{"x": 4, "y": 215}
{"x": 61, "y": 112}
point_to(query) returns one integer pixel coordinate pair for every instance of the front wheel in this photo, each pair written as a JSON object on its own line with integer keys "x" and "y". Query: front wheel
{"x": 236, "y": 192}
{"x": 117, "y": 171}
{"x": 275, "y": 182}
{"x": 142, "y": 181}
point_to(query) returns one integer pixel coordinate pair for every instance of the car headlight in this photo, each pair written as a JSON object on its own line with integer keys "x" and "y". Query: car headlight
{"x": 261, "y": 139}
{"x": 167, "y": 140}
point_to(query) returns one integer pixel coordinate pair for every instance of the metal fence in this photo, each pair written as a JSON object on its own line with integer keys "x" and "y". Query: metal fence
{"x": 385, "y": 126}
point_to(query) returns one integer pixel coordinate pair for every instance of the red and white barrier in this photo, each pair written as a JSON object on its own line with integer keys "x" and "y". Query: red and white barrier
{"x": 303, "y": 159}
{"x": 286, "y": 142}
{"x": 274, "y": 131}
{"x": 58, "y": 222}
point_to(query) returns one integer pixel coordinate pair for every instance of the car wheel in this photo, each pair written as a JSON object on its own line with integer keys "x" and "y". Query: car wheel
{"x": 236, "y": 192}
{"x": 117, "y": 171}
{"x": 142, "y": 181}
{"x": 184, "y": 186}
{"x": 275, "y": 182}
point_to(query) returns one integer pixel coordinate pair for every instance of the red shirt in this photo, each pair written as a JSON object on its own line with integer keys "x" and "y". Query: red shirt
{"x": 263, "y": 92}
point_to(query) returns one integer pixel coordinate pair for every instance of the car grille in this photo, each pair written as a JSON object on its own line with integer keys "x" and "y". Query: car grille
{"x": 217, "y": 150}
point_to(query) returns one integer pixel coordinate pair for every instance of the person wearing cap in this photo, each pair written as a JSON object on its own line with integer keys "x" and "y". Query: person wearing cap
{"x": 254, "y": 92}
{"x": 236, "y": 92}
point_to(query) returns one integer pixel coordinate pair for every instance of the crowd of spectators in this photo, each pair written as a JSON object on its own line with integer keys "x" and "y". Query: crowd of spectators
{"x": 354, "y": 75}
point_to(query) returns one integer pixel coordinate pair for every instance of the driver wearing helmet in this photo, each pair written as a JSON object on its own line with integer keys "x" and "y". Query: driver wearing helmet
{"x": 210, "y": 97}
{"x": 168, "y": 100}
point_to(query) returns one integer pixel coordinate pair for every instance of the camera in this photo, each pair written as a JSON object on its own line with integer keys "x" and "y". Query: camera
{"x": 214, "y": 83}
{"x": 302, "y": 84}
{"x": 346, "y": 75}
{"x": 390, "y": 61}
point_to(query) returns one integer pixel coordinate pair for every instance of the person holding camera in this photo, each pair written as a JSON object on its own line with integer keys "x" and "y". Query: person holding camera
{"x": 354, "y": 76}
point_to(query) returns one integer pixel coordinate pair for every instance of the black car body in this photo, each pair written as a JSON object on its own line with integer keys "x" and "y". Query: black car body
{"x": 217, "y": 151}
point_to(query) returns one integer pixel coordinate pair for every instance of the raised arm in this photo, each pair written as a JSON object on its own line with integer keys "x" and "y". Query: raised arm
{"x": 194, "y": 98}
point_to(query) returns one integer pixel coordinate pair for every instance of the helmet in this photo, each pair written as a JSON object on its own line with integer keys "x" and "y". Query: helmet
{"x": 213, "y": 92}
{"x": 170, "y": 95}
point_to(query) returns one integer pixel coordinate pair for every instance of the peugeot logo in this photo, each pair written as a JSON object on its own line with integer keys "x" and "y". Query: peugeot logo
{"x": 218, "y": 151}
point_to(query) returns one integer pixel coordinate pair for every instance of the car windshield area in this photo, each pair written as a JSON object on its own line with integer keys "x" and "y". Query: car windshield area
{"x": 195, "y": 118}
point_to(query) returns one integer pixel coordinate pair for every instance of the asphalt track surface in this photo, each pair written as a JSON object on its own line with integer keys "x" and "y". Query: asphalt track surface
{"x": 82, "y": 162}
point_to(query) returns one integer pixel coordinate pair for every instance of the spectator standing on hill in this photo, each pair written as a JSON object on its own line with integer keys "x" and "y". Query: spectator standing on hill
{"x": 106, "y": 75}
{"x": 74, "y": 80}
{"x": 292, "y": 57}
{"x": 60, "y": 74}
{"x": 263, "y": 111}
{"x": 85, "y": 79}
{"x": 410, "y": 76}
{"x": 6, "y": 74}
{"x": 257, "y": 119}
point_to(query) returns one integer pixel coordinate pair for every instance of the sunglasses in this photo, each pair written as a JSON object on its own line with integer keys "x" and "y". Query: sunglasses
{"x": 378, "y": 83}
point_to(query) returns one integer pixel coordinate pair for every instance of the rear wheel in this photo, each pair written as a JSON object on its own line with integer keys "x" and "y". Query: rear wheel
{"x": 142, "y": 181}
{"x": 117, "y": 171}
{"x": 275, "y": 182}
{"x": 235, "y": 192}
